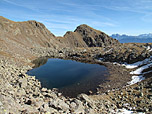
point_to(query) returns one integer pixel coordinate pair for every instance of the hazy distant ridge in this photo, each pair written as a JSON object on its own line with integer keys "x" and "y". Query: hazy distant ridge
{"x": 142, "y": 38}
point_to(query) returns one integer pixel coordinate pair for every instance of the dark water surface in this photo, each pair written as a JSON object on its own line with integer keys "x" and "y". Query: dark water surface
{"x": 70, "y": 77}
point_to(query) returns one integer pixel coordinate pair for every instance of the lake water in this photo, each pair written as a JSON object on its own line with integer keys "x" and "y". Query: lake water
{"x": 70, "y": 77}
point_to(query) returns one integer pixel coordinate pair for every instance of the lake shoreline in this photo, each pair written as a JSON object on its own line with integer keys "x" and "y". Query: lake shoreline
{"x": 105, "y": 86}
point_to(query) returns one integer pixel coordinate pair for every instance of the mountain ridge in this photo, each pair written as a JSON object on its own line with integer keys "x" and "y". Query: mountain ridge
{"x": 142, "y": 38}
{"x": 33, "y": 33}
{"x": 86, "y": 36}
{"x": 118, "y": 36}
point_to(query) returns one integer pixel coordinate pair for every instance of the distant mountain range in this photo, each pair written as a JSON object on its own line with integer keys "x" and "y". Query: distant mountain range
{"x": 142, "y": 38}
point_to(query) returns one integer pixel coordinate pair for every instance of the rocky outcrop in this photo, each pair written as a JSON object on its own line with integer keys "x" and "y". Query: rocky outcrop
{"x": 85, "y": 36}
{"x": 95, "y": 38}
{"x": 129, "y": 53}
{"x": 72, "y": 39}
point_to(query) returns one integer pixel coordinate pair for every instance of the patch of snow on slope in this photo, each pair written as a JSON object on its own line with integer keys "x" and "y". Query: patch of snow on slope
{"x": 149, "y": 48}
{"x": 140, "y": 66}
{"x": 131, "y": 66}
{"x": 125, "y": 111}
{"x": 137, "y": 64}
{"x": 139, "y": 70}
{"x": 136, "y": 79}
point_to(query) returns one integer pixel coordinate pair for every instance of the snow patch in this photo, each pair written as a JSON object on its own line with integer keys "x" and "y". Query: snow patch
{"x": 125, "y": 111}
{"x": 149, "y": 48}
{"x": 139, "y": 70}
{"x": 131, "y": 66}
{"x": 136, "y": 79}
{"x": 140, "y": 67}
{"x": 139, "y": 63}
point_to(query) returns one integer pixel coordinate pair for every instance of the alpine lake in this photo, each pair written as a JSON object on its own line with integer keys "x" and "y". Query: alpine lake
{"x": 70, "y": 77}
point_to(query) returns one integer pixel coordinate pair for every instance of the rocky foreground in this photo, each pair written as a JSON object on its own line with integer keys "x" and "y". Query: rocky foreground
{"x": 23, "y": 42}
{"x": 21, "y": 93}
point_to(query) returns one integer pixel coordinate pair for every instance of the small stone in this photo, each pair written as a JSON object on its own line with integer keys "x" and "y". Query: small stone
{"x": 73, "y": 105}
{"x": 1, "y": 103}
{"x": 23, "y": 82}
{"x": 59, "y": 94}
{"x": 44, "y": 89}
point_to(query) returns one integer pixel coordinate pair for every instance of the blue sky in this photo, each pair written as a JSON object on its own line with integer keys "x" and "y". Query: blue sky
{"x": 130, "y": 17}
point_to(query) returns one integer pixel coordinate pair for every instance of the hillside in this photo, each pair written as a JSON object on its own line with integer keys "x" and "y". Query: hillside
{"x": 86, "y": 36}
{"x": 35, "y": 34}
{"x": 29, "y": 33}
{"x": 24, "y": 45}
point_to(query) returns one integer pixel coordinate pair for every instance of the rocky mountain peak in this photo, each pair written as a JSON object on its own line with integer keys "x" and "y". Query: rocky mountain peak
{"x": 95, "y": 38}
{"x": 85, "y": 29}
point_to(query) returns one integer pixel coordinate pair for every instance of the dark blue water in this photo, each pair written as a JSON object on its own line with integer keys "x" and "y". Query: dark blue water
{"x": 69, "y": 76}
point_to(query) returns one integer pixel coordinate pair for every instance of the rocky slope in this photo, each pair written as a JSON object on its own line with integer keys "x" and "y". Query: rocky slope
{"x": 29, "y": 33}
{"x": 18, "y": 38}
{"x": 129, "y": 53}
{"x": 23, "y": 42}
{"x": 85, "y": 36}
